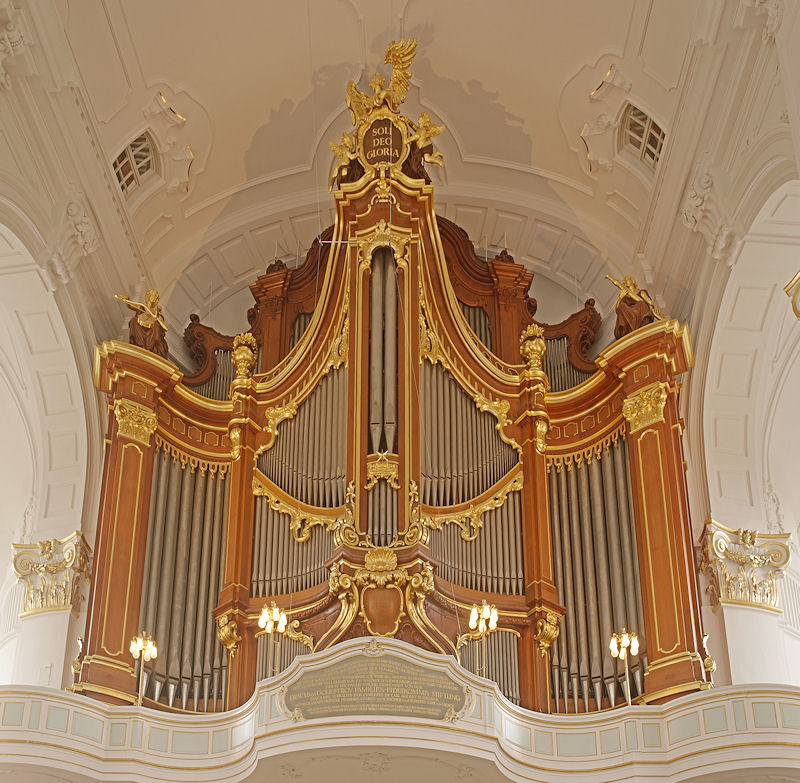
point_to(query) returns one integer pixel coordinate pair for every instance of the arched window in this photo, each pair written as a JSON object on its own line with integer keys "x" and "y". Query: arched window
{"x": 135, "y": 163}
{"x": 643, "y": 135}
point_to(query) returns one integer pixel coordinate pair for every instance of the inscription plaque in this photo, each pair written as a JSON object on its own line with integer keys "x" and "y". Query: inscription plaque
{"x": 383, "y": 142}
{"x": 384, "y": 685}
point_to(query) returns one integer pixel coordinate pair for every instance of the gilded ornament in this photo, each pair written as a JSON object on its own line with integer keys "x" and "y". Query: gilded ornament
{"x": 382, "y": 466}
{"x": 245, "y": 352}
{"x": 471, "y": 520}
{"x": 532, "y": 345}
{"x": 135, "y": 421}
{"x": 383, "y": 138}
{"x": 302, "y": 518}
{"x": 194, "y": 462}
{"x": 228, "y": 633}
{"x": 147, "y": 329}
{"x": 792, "y": 290}
{"x": 235, "y": 437}
{"x": 646, "y": 406}
{"x": 547, "y": 630}
{"x": 52, "y": 572}
{"x": 742, "y": 565}
{"x": 542, "y": 428}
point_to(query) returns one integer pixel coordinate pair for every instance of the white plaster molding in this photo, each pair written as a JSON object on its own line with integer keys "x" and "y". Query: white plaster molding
{"x": 705, "y": 211}
{"x": 743, "y": 566}
{"x": 52, "y": 572}
{"x": 726, "y": 729}
{"x": 773, "y": 9}
{"x": 13, "y": 39}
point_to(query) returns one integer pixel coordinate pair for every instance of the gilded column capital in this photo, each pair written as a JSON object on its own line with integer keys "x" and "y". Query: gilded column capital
{"x": 645, "y": 406}
{"x": 743, "y": 565}
{"x": 51, "y": 571}
{"x": 135, "y": 421}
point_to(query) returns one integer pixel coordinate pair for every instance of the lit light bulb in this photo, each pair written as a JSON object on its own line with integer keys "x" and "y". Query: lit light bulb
{"x": 282, "y": 623}
{"x": 622, "y": 653}
{"x": 613, "y": 646}
{"x": 486, "y": 611}
{"x": 625, "y": 642}
{"x": 493, "y": 619}
{"x": 473, "y": 618}
{"x": 634, "y": 645}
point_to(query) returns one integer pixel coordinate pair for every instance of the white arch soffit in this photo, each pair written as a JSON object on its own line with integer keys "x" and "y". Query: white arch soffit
{"x": 42, "y": 375}
{"x": 755, "y": 344}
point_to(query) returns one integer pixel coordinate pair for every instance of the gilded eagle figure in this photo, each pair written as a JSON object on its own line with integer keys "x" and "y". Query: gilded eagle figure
{"x": 399, "y": 55}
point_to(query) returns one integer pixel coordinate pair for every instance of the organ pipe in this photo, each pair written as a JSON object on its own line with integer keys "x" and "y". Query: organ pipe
{"x": 597, "y": 576}
{"x": 182, "y": 580}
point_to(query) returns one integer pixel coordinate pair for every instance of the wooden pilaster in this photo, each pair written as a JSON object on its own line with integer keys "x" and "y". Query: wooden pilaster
{"x": 134, "y": 380}
{"x": 541, "y": 595}
{"x": 647, "y": 362}
{"x": 234, "y": 628}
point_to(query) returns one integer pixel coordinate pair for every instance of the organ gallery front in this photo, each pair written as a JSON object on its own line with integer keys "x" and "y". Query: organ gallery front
{"x": 392, "y": 440}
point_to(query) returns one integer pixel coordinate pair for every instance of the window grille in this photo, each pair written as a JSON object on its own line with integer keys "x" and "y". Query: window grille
{"x": 134, "y": 163}
{"x": 643, "y": 135}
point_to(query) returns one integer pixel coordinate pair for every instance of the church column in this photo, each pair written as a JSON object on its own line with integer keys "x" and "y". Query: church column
{"x": 231, "y": 612}
{"x": 134, "y": 379}
{"x": 541, "y": 595}
{"x": 647, "y": 362}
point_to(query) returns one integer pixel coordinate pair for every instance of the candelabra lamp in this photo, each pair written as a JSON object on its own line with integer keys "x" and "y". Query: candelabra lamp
{"x": 623, "y": 645}
{"x": 273, "y": 621}
{"x": 144, "y": 646}
{"x": 482, "y": 622}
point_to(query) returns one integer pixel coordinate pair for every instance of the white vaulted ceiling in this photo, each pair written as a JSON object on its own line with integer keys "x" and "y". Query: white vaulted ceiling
{"x": 255, "y": 90}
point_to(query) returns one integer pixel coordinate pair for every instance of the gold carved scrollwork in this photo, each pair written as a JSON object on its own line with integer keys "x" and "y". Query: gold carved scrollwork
{"x": 547, "y": 630}
{"x": 743, "y": 566}
{"x": 382, "y": 235}
{"x": 302, "y": 517}
{"x": 294, "y": 633}
{"x": 135, "y": 421}
{"x": 340, "y": 346}
{"x": 52, "y": 571}
{"x": 470, "y": 520}
{"x": 382, "y": 465}
{"x": 228, "y": 633}
{"x": 646, "y": 406}
{"x": 245, "y": 351}
{"x": 382, "y": 572}
{"x": 540, "y": 442}
{"x": 235, "y": 437}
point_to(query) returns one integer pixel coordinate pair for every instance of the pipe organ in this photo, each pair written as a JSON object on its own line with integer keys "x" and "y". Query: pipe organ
{"x": 393, "y": 439}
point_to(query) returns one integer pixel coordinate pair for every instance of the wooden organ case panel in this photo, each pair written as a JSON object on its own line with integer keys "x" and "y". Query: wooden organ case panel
{"x": 393, "y": 441}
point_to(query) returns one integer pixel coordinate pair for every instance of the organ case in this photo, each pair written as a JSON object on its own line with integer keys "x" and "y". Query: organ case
{"x": 394, "y": 439}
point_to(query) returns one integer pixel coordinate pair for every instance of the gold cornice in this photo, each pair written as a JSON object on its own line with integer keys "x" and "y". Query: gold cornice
{"x": 667, "y": 326}
{"x": 587, "y": 453}
{"x": 213, "y": 466}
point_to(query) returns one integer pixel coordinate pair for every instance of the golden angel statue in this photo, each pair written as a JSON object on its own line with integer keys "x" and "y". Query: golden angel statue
{"x": 634, "y": 307}
{"x": 147, "y": 329}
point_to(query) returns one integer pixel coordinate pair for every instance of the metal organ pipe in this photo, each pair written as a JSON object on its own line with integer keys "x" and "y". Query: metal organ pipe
{"x": 307, "y": 460}
{"x": 596, "y": 573}
{"x": 182, "y": 581}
